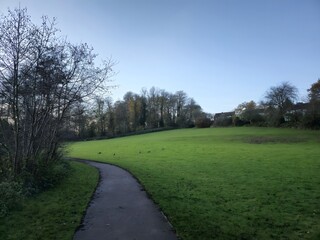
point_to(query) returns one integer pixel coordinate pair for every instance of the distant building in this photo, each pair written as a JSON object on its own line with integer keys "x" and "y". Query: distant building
{"x": 223, "y": 115}
{"x": 299, "y": 107}
{"x": 223, "y": 118}
{"x": 297, "y": 110}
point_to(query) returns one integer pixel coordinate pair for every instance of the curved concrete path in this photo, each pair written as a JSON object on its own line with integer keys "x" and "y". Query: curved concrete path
{"x": 120, "y": 209}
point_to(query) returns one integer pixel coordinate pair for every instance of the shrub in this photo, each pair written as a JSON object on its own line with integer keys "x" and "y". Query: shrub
{"x": 45, "y": 176}
{"x": 10, "y": 196}
{"x": 203, "y": 122}
{"x": 28, "y": 183}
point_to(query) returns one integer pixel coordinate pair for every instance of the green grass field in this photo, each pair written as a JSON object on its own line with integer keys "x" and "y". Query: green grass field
{"x": 54, "y": 214}
{"x": 225, "y": 183}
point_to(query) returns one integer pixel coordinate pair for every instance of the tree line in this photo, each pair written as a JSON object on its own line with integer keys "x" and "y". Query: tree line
{"x": 151, "y": 109}
{"x": 279, "y": 108}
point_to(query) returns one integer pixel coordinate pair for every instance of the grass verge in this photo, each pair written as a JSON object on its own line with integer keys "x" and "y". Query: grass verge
{"x": 53, "y": 214}
{"x": 225, "y": 183}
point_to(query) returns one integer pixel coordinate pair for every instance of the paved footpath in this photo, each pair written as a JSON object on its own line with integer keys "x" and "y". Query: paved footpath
{"x": 120, "y": 209}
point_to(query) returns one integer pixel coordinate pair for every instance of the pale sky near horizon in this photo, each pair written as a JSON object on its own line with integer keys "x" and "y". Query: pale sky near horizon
{"x": 220, "y": 52}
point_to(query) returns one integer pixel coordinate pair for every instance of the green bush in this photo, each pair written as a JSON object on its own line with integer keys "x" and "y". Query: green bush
{"x": 10, "y": 196}
{"x": 203, "y": 122}
{"x": 30, "y": 182}
{"x": 44, "y": 177}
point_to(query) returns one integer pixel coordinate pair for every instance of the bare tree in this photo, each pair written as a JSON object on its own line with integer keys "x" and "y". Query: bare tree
{"x": 181, "y": 98}
{"x": 193, "y": 111}
{"x": 121, "y": 117}
{"x": 153, "y": 108}
{"x": 110, "y": 116}
{"x": 16, "y": 48}
{"x": 41, "y": 78}
{"x": 79, "y": 120}
{"x": 280, "y": 98}
{"x": 100, "y": 116}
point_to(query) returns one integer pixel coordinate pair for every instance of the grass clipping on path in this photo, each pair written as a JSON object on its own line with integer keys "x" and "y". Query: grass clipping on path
{"x": 225, "y": 183}
{"x": 56, "y": 213}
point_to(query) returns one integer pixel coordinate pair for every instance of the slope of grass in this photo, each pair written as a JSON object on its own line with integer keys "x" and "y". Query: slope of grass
{"x": 225, "y": 183}
{"x": 56, "y": 213}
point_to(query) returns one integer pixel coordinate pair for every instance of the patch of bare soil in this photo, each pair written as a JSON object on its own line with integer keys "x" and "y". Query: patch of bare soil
{"x": 272, "y": 139}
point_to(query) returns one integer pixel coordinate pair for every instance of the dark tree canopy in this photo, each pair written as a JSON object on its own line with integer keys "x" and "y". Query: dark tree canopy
{"x": 279, "y": 99}
{"x": 312, "y": 119}
{"x": 314, "y": 91}
{"x": 281, "y": 96}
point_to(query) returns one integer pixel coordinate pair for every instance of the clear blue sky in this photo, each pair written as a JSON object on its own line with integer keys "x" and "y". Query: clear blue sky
{"x": 220, "y": 52}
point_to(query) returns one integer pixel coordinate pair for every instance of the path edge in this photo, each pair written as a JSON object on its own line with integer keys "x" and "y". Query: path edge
{"x": 84, "y": 161}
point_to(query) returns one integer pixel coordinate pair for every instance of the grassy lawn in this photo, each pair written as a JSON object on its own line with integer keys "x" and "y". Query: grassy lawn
{"x": 225, "y": 183}
{"x": 53, "y": 214}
